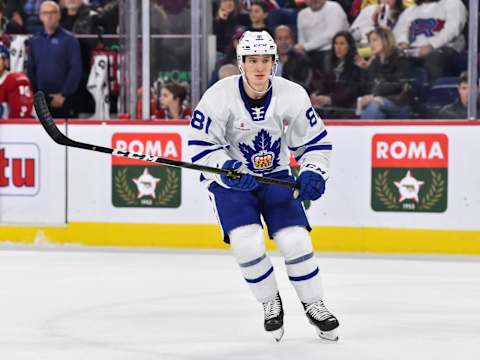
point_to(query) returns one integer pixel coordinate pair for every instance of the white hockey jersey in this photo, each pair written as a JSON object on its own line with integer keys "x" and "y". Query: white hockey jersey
{"x": 18, "y": 53}
{"x": 97, "y": 85}
{"x": 437, "y": 24}
{"x": 224, "y": 127}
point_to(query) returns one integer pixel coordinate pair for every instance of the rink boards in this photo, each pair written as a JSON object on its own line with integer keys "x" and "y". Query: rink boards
{"x": 394, "y": 187}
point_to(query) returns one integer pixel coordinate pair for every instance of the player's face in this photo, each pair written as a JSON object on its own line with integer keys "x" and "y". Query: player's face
{"x": 166, "y": 98}
{"x": 341, "y": 47}
{"x": 376, "y": 44}
{"x": 258, "y": 69}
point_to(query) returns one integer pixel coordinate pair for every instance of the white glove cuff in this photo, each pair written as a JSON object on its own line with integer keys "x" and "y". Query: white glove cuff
{"x": 316, "y": 168}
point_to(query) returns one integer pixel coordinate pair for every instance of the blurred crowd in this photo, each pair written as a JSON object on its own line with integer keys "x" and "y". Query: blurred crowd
{"x": 368, "y": 59}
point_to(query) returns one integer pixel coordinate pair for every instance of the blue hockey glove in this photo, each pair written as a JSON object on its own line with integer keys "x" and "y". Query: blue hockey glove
{"x": 245, "y": 183}
{"x": 312, "y": 186}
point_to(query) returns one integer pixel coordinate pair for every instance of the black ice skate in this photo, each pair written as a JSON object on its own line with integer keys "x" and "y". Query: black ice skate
{"x": 273, "y": 313}
{"x": 323, "y": 320}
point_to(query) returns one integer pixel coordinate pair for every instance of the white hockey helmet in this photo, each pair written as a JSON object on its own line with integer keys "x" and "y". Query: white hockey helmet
{"x": 256, "y": 43}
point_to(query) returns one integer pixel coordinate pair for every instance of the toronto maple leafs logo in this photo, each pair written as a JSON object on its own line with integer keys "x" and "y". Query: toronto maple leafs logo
{"x": 264, "y": 156}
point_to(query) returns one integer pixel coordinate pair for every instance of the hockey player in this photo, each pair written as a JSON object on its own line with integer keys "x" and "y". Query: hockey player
{"x": 249, "y": 123}
{"x": 16, "y": 99}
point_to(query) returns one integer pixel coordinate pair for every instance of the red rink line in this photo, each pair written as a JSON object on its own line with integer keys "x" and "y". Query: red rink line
{"x": 186, "y": 122}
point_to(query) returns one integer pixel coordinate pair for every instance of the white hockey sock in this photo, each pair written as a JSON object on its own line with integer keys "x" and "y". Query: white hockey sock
{"x": 304, "y": 275}
{"x": 296, "y": 247}
{"x": 248, "y": 247}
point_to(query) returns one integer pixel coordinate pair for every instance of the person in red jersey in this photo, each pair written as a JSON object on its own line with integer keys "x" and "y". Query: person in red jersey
{"x": 16, "y": 100}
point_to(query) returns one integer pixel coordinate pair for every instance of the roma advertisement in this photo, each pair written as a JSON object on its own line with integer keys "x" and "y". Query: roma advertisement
{"x": 409, "y": 172}
{"x": 137, "y": 183}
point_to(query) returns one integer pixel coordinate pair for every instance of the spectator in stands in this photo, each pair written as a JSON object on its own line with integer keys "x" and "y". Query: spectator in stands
{"x": 286, "y": 14}
{"x": 31, "y": 10}
{"x": 10, "y": 22}
{"x": 54, "y": 62}
{"x": 78, "y": 17}
{"x": 16, "y": 98}
{"x": 108, "y": 15}
{"x": 317, "y": 24}
{"x": 385, "y": 14}
{"x": 432, "y": 32}
{"x": 292, "y": 65}
{"x": 285, "y": 42}
{"x": 227, "y": 70}
{"x": 95, "y": 4}
{"x": 258, "y": 14}
{"x": 386, "y": 83}
{"x": 228, "y": 18}
{"x": 271, "y": 4}
{"x": 459, "y": 108}
{"x": 230, "y": 56}
{"x": 335, "y": 95}
{"x": 172, "y": 98}
{"x": 3, "y": 18}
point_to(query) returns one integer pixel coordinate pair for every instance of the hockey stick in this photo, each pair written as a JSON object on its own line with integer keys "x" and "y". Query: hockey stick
{"x": 46, "y": 119}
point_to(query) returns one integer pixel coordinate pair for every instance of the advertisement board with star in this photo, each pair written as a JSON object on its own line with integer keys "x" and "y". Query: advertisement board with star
{"x": 140, "y": 184}
{"x": 392, "y": 187}
{"x": 409, "y": 172}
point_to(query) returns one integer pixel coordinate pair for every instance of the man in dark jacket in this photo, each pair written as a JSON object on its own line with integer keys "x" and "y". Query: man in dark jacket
{"x": 54, "y": 62}
{"x": 78, "y": 17}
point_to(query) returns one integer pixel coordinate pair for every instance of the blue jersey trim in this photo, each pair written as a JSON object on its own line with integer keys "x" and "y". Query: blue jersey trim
{"x": 246, "y": 102}
{"x": 260, "y": 278}
{"x": 313, "y": 141}
{"x": 205, "y": 153}
{"x": 304, "y": 277}
{"x": 313, "y": 148}
{"x": 200, "y": 142}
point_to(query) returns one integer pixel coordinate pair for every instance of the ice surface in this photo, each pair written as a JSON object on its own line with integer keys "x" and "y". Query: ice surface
{"x": 101, "y": 305}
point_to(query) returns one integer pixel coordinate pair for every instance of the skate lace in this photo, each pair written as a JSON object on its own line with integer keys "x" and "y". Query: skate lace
{"x": 318, "y": 311}
{"x": 272, "y": 308}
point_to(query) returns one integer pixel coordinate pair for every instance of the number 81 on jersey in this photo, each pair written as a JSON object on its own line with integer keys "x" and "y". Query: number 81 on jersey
{"x": 198, "y": 121}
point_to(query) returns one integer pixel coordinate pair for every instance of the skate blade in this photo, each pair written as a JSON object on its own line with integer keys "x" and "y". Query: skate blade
{"x": 327, "y": 335}
{"x": 277, "y": 334}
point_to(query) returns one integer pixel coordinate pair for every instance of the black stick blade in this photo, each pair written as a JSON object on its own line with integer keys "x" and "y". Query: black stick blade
{"x": 46, "y": 119}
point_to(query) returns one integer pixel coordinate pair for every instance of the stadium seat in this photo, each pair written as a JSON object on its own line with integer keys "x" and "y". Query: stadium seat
{"x": 440, "y": 93}
{"x": 443, "y": 91}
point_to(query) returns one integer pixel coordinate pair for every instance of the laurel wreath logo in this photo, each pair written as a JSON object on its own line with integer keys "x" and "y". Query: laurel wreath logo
{"x": 170, "y": 189}
{"x": 121, "y": 186}
{"x": 164, "y": 197}
{"x": 384, "y": 193}
{"x": 435, "y": 193}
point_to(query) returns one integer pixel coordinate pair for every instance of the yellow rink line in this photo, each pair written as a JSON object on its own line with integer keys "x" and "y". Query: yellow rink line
{"x": 346, "y": 239}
